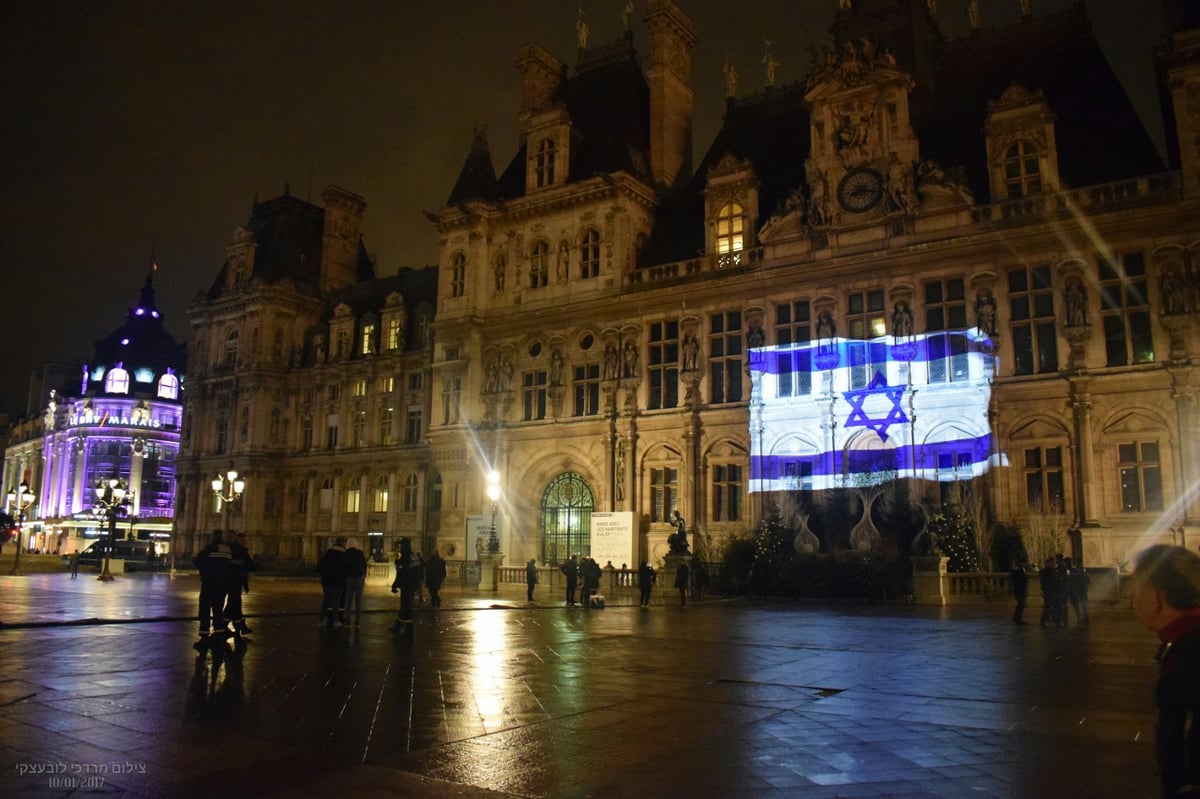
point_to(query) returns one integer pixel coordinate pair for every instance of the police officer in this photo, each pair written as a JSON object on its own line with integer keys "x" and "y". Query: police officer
{"x": 214, "y": 563}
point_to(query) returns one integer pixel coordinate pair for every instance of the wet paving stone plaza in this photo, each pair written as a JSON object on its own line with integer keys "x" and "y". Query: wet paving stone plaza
{"x": 102, "y": 693}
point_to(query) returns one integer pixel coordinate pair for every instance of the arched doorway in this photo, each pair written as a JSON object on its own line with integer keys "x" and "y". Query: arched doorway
{"x": 566, "y": 512}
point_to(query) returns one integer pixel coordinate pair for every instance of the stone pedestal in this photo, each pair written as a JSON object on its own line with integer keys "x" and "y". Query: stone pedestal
{"x": 490, "y": 563}
{"x": 666, "y": 577}
{"x": 930, "y": 579}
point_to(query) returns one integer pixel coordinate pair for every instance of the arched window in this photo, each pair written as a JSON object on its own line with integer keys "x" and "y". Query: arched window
{"x": 231, "y": 349}
{"x": 567, "y": 506}
{"x": 117, "y": 380}
{"x": 543, "y": 167}
{"x": 1022, "y": 172}
{"x": 589, "y": 254}
{"x": 168, "y": 386}
{"x": 458, "y": 275}
{"x": 409, "y": 500}
{"x": 730, "y": 223}
{"x": 539, "y": 265}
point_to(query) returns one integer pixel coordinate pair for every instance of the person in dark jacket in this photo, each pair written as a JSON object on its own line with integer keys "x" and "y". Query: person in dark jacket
{"x": 1166, "y": 600}
{"x": 333, "y": 582}
{"x": 681, "y": 581}
{"x": 435, "y": 575}
{"x": 1077, "y": 590}
{"x": 408, "y": 579}
{"x": 1048, "y": 579}
{"x": 645, "y": 582}
{"x": 238, "y": 581}
{"x": 570, "y": 570}
{"x": 589, "y": 573}
{"x": 1019, "y": 579}
{"x": 214, "y": 564}
{"x": 531, "y": 578}
{"x": 354, "y": 570}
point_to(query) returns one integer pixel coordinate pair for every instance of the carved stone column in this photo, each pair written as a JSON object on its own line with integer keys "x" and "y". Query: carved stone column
{"x": 1185, "y": 397}
{"x": 1085, "y": 468}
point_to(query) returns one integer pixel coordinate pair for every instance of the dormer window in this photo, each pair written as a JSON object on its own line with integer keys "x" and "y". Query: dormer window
{"x": 544, "y": 163}
{"x": 341, "y": 345}
{"x": 1022, "y": 172}
{"x": 117, "y": 380}
{"x": 539, "y": 265}
{"x": 168, "y": 387}
{"x": 458, "y": 275}
{"x": 368, "y": 338}
{"x": 730, "y": 223}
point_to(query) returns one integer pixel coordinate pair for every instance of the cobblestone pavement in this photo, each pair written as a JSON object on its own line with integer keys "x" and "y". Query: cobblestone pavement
{"x": 496, "y": 697}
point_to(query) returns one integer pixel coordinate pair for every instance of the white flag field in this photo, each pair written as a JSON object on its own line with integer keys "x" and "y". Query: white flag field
{"x": 839, "y": 413}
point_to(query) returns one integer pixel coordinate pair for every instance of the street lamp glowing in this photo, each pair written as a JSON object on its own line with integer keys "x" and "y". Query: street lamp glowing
{"x": 110, "y": 496}
{"x": 228, "y": 489}
{"x": 20, "y": 501}
{"x": 493, "y": 494}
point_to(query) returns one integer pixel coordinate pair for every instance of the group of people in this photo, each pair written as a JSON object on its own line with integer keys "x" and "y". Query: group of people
{"x": 1062, "y": 582}
{"x": 224, "y": 565}
{"x": 585, "y": 570}
{"x": 343, "y": 570}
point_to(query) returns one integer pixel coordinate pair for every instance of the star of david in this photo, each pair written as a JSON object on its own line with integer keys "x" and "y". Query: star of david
{"x": 877, "y": 387}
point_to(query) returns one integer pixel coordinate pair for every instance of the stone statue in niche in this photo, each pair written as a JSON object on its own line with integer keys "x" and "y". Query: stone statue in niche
{"x": 582, "y": 31}
{"x": 691, "y": 352}
{"x": 492, "y": 382}
{"x": 731, "y": 79}
{"x": 506, "y": 374}
{"x": 902, "y": 319}
{"x": 1173, "y": 292}
{"x": 619, "y": 470}
{"x": 826, "y": 327}
{"x": 564, "y": 260}
{"x": 755, "y": 335}
{"x": 498, "y": 272}
{"x": 630, "y": 357}
{"x": 556, "y": 368}
{"x": 612, "y": 362}
{"x": 985, "y": 311}
{"x": 1075, "y": 297}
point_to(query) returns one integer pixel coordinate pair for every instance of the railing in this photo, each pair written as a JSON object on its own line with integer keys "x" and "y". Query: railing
{"x": 1117, "y": 194}
{"x": 694, "y": 266}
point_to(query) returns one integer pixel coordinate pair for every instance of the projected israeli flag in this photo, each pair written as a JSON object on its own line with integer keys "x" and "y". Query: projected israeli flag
{"x": 839, "y": 412}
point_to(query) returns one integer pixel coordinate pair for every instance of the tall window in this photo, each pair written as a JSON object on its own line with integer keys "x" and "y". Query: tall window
{"x": 367, "y": 341}
{"x": 392, "y": 337}
{"x": 358, "y": 428}
{"x": 544, "y": 163}
{"x": 587, "y": 390}
{"x": 793, "y": 325}
{"x": 435, "y": 493}
{"x": 451, "y": 400}
{"x": 1141, "y": 476}
{"x": 458, "y": 275}
{"x": 306, "y": 433}
{"x": 533, "y": 386}
{"x": 730, "y": 222}
{"x": 589, "y": 255}
{"x": 353, "y": 499}
{"x": 865, "y": 320}
{"x": 380, "y": 501}
{"x": 1044, "y": 478}
{"x": 387, "y": 385}
{"x": 664, "y": 493}
{"x": 222, "y": 433}
{"x": 386, "y": 415}
{"x": 325, "y": 497}
{"x": 663, "y": 367}
{"x": 1031, "y": 310}
{"x": 331, "y": 431}
{"x": 412, "y": 426}
{"x": 727, "y": 492}
{"x": 231, "y": 349}
{"x": 409, "y": 496}
{"x": 725, "y": 356}
{"x": 302, "y": 497}
{"x": 1022, "y": 174}
{"x": 117, "y": 380}
{"x": 539, "y": 265}
{"x": 1125, "y": 310}
{"x": 359, "y": 388}
{"x": 168, "y": 387}
{"x": 946, "y": 309}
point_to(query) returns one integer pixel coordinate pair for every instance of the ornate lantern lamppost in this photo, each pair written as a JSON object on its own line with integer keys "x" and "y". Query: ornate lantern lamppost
{"x": 493, "y": 493}
{"x": 20, "y": 500}
{"x": 228, "y": 489}
{"x": 110, "y": 498}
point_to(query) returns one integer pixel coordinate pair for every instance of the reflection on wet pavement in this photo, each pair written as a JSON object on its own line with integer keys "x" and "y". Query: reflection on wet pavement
{"x": 719, "y": 699}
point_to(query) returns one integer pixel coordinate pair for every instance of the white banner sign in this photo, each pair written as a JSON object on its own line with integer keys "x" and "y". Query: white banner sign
{"x": 479, "y": 530}
{"x": 612, "y": 539}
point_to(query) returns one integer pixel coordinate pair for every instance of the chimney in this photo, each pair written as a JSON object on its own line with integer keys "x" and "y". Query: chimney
{"x": 341, "y": 238}
{"x": 541, "y": 76}
{"x": 670, "y": 79}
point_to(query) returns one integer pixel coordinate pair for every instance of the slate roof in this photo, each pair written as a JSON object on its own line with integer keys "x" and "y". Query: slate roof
{"x": 418, "y": 287}
{"x": 477, "y": 180}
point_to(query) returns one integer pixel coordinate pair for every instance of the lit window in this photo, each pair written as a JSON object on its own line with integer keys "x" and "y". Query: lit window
{"x": 168, "y": 386}
{"x": 352, "y": 500}
{"x": 368, "y": 339}
{"x": 729, "y": 228}
{"x": 117, "y": 380}
{"x": 360, "y": 388}
{"x": 393, "y": 334}
{"x": 381, "y": 494}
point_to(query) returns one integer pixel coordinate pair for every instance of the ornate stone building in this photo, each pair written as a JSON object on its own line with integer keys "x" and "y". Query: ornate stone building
{"x": 597, "y": 299}
{"x": 586, "y": 331}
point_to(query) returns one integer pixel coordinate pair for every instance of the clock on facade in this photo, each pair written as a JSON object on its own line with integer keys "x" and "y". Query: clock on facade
{"x": 860, "y": 191}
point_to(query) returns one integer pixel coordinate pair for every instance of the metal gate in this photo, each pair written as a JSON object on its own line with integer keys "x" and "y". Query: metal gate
{"x": 566, "y": 513}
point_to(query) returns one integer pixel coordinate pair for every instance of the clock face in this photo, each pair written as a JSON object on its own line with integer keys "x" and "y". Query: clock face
{"x": 860, "y": 191}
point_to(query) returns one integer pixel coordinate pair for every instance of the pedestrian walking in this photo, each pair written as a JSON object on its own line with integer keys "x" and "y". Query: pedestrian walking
{"x": 1019, "y": 579}
{"x": 75, "y": 563}
{"x": 645, "y": 582}
{"x": 1166, "y": 600}
{"x": 435, "y": 575}
{"x": 214, "y": 563}
{"x": 237, "y": 582}
{"x": 531, "y": 578}
{"x": 333, "y": 582}
{"x": 407, "y": 580}
{"x": 681, "y": 581}
{"x": 354, "y": 570}
{"x": 570, "y": 570}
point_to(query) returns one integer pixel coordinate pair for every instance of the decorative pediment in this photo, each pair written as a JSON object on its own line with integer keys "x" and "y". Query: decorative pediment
{"x": 725, "y": 449}
{"x": 1039, "y": 429}
{"x": 394, "y": 299}
{"x": 730, "y": 165}
{"x": 342, "y": 310}
{"x": 1133, "y": 422}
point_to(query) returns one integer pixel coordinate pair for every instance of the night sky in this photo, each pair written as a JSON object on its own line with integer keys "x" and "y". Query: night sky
{"x": 140, "y": 126}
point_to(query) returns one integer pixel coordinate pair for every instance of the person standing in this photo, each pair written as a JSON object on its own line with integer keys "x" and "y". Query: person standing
{"x": 333, "y": 582}
{"x": 589, "y": 572}
{"x": 420, "y": 561}
{"x": 645, "y": 582}
{"x": 1047, "y": 578}
{"x": 531, "y": 579}
{"x": 354, "y": 569}
{"x": 681, "y": 581}
{"x": 435, "y": 575}
{"x": 1019, "y": 579}
{"x": 1077, "y": 589}
{"x": 571, "y": 571}
{"x": 240, "y": 566}
{"x": 214, "y": 564}
{"x": 1166, "y": 600}
{"x": 408, "y": 579}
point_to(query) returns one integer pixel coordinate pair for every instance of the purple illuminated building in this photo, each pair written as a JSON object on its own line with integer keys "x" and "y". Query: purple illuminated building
{"x": 123, "y": 422}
